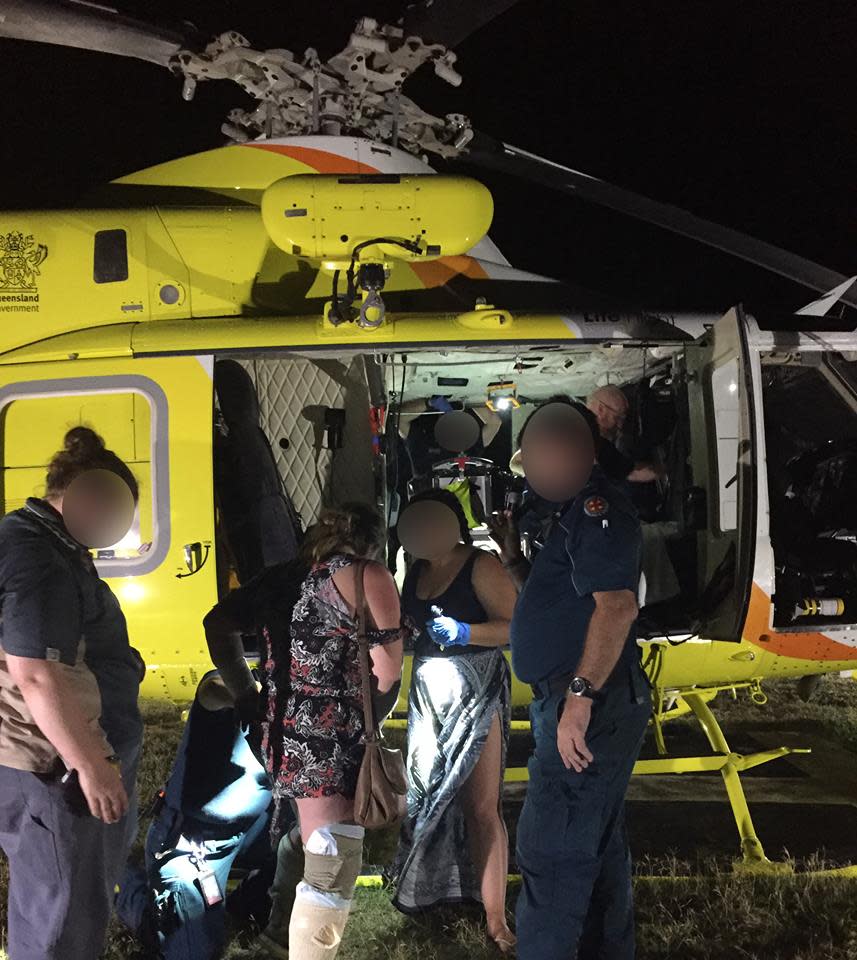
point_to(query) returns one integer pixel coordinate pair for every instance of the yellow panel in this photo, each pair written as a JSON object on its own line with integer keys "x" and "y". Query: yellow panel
{"x": 324, "y": 217}
{"x": 235, "y": 170}
{"x": 32, "y": 432}
{"x": 222, "y": 251}
{"x": 33, "y": 429}
{"x": 63, "y": 295}
{"x": 20, "y": 484}
{"x": 142, "y": 416}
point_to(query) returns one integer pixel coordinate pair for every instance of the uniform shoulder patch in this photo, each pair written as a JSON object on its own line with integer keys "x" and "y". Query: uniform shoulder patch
{"x": 596, "y": 507}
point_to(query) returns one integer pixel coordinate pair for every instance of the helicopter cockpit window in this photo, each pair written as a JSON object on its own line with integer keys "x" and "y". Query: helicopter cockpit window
{"x": 34, "y": 420}
{"x": 110, "y": 261}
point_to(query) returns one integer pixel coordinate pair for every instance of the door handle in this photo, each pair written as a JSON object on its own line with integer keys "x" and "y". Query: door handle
{"x": 195, "y": 558}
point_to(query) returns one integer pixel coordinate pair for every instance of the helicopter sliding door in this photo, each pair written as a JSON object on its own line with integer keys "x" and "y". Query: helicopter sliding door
{"x": 721, "y": 503}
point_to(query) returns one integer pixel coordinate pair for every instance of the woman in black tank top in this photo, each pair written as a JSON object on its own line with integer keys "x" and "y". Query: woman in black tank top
{"x": 454, "y": 845}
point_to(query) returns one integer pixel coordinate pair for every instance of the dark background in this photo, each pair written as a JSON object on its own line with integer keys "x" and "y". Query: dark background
{"x": 743, "y": 112}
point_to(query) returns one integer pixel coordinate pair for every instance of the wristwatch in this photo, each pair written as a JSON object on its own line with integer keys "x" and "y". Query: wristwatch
{"x": 581, "y": 687}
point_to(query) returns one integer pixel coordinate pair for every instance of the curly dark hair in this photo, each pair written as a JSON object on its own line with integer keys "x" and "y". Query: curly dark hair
{"x": 83, "y": 450}
{"x": 354, "y": 527}
{"x": 448, "y": 500}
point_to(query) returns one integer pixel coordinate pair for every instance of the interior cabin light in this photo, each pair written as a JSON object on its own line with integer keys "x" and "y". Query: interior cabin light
{"x": 502, "y": 395}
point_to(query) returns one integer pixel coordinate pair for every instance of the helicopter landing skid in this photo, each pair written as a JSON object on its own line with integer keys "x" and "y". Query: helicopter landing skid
{"x": 729, "y": 764}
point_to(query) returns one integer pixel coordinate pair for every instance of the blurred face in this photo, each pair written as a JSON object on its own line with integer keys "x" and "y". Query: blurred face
{"x": 611, "y": 415}
{"x": 456, "y": 431}
{"x": 557, "y": 452}
{"x": 98, "y": 508}
{"x": 428, "y": 530}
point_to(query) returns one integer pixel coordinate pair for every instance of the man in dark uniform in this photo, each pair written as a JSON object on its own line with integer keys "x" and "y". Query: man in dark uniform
{"x": 573, "y": 641}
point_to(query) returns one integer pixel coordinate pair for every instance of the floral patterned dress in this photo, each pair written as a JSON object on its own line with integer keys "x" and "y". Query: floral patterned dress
{"x": 322, "y": 726}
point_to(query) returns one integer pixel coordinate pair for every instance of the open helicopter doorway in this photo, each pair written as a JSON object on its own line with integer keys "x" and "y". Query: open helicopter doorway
{"x": 342, "y": 424}
{"x": 668, "y": 424}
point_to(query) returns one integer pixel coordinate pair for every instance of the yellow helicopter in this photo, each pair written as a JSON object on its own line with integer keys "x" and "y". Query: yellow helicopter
{"x": 319, "y": 259}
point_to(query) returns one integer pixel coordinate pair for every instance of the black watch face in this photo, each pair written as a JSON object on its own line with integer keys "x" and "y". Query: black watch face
{"x": 578, "y": 686}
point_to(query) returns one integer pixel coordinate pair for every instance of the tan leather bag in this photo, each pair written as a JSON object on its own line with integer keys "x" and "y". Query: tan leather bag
{"x": 382, "y": 784}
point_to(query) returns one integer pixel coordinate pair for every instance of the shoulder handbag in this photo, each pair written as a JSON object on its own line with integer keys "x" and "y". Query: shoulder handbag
{"x": 382, "y": 784}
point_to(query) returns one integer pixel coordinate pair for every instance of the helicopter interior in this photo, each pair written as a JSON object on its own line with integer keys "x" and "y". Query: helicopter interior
{"x": 512, "y": 381}
{"x": 317, "y": 411}
{"x": 320, "y": 412}
{"x": 811, "y": 445}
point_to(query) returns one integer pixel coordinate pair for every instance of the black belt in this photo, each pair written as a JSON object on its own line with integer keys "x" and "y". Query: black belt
{"x": 551, "y": 687}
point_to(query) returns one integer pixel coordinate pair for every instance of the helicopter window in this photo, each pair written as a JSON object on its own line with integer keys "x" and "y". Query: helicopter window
{"x": 128, "y": 416}
{"x": 110, "y": 261}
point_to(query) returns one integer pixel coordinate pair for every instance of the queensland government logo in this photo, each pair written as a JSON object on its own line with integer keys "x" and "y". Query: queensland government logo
{"x": 20, "y": 259}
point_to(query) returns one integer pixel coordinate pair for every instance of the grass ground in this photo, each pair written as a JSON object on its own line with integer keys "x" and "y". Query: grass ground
{"x": 706, "y": 913}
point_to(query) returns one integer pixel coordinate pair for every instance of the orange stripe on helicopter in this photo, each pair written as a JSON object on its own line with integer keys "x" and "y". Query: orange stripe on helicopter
{"x": 800, "y": 646}
{"x": 319, "y": 160}
{"x": 435, "y": 273}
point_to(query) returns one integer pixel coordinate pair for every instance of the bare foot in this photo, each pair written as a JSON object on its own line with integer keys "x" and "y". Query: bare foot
{"x": 503, "y": 939}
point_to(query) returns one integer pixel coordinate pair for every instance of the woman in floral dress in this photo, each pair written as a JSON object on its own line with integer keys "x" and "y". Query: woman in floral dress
{"x": 321, "y": 750}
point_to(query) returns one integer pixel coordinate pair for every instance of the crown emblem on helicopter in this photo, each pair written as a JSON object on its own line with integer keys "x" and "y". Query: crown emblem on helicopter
{"x": 20, "y": 259}
{"x": 356, "y": 91}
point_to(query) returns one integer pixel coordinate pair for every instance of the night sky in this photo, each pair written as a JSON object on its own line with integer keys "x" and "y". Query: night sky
{"x": 741, "y": 112}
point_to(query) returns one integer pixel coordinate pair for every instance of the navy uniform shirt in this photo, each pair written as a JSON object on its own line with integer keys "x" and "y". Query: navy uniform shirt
{"x": 51, "y": 599}
{"x": 594, "y": 547}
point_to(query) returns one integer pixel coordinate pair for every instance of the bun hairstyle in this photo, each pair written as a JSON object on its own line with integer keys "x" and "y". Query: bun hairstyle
{"x": 83, "y": 450}
{"x": 353, "y": 527}
{"x": 448, "y": 499}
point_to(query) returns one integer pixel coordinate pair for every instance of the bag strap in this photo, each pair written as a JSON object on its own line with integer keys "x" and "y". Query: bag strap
{"x": 363, "y": 643}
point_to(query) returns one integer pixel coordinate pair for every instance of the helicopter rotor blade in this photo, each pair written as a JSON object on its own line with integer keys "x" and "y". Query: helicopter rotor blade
{"x": 451, "y": 22}
{"x": 88, "y": 26}
{"x": 487, "y": 152}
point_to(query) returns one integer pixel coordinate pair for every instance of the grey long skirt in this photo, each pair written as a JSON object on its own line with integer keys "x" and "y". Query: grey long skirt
{"x": 453, "y": 703}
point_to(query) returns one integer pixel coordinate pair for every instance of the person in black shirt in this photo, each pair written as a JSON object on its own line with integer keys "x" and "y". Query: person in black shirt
{"x": 610, "y": 407}
{"x": 69, "y": 681}
{"x": 454, "y": 845}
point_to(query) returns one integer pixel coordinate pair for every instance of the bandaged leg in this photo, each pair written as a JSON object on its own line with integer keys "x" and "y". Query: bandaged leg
{"x": 334, "y": 856}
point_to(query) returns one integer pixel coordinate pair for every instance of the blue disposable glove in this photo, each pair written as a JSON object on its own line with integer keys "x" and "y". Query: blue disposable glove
{"x": 448, "y": 632}
{"x": 440, "y": 403}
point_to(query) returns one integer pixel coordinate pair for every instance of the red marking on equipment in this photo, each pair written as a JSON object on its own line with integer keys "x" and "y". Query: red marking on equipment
{"x": 319, "y": 160}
